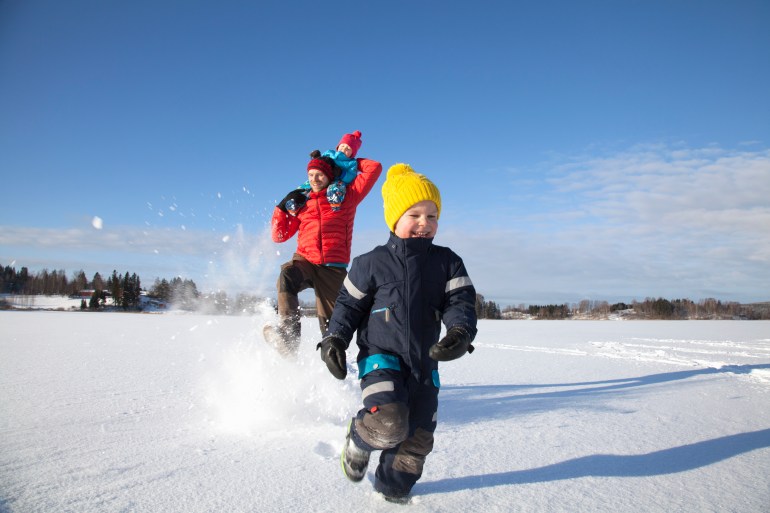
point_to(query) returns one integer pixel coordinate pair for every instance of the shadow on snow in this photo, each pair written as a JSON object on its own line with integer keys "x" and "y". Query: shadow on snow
{"x": 666, "y": 461}
{"x": 485, "y": 402}
{"x": 464, "y": 403}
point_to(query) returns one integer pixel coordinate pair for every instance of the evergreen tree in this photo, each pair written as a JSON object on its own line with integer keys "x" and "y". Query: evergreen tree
{"x": 97, "y": 300}
{"x": 79, "y": 282}
{"x": 131, "y": 290}
{"x": 23, "y": 281}
{"x": 161, "y": 290}
{"x": 97, "y": 283}
{"x": 184, "y": 293}
{"x": 116, "y": 290}
{"x": 8, "y": 280}
{"x": 491, "y": 310}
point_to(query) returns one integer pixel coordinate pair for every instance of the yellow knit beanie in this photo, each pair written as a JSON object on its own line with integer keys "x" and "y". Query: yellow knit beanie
{"x": 403, "y": 188}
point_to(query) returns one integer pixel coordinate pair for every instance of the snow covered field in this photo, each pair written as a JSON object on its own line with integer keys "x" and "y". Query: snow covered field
{"x": 104, "y": 412}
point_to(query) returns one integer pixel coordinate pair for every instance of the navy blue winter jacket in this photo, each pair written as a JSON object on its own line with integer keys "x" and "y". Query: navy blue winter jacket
{"x": 396, "y": 297}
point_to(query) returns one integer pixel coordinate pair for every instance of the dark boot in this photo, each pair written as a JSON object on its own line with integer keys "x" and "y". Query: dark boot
{"x": 284, "y": 337}
{"x": 390, "y": 494}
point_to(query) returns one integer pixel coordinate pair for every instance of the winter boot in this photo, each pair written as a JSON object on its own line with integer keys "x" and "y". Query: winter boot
{"x": 354, "y": 460}
{"x": 391, "y": 494}
{"x": 285, "y": 336}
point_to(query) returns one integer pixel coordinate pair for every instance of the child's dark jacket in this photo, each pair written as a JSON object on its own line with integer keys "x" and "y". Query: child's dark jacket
{"x": 396, "y": 297}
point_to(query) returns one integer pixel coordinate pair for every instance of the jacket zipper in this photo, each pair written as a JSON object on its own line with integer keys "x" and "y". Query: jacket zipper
{"x": 407, "y": 309}
{"x": 320, "y": 232}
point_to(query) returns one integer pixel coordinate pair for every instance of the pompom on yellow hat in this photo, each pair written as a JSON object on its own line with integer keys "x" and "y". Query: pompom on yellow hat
{"x": 403, "y": 188}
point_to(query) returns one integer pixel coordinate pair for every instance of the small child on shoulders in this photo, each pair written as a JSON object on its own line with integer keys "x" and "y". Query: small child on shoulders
{"x": 345, "y": 168}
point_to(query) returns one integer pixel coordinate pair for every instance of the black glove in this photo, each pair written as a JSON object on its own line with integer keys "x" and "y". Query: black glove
{"x": 333, "y": 355}
{"x": 454, "y": 344}
{"x": 299, "y": 200}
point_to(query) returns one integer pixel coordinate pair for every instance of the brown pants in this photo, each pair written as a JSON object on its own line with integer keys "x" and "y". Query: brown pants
{"x": 298, "y": 275}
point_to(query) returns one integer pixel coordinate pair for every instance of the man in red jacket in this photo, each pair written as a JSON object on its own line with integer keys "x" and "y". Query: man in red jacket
{"x": 323, "y": 243}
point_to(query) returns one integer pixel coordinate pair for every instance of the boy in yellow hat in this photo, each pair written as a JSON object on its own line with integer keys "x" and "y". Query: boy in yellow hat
{"x": 396, "y": 297}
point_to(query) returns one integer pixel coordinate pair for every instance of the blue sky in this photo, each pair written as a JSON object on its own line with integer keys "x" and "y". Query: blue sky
{"x": 606, "y": 150}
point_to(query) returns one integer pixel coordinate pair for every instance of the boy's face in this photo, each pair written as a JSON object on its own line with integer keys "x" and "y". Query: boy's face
{"x": 419, "y": 221}
{"x": 318, "y": 180}
{"x": 344, "y": 148}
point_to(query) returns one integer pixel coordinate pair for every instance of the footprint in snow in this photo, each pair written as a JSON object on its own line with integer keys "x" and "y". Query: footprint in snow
{"x": 326, "y": 451}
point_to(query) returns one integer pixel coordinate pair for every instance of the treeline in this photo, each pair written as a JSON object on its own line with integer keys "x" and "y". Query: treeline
{"x": 487, "y": 309}
{"x": 125, "y": 291}
{"x": 549, "y": 311}
{"x": 122, "y": 290}
{"x": 54, "y": 283}
{"x": 650, "y": 308}
{"x": 44, "y": 282}
{"x": 705, "y": 309}
{"x": 179, "y": 292}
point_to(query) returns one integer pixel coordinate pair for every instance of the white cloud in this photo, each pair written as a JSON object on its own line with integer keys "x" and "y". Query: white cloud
{"x": 126, "y": 239}
{"x": 649, "y": 221}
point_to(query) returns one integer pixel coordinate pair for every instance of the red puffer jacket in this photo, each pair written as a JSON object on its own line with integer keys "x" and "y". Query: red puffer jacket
{"x": 325, "y": 236}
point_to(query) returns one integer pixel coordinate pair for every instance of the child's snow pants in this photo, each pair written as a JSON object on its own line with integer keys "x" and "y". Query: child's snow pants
{"x": 399, "y": 418}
